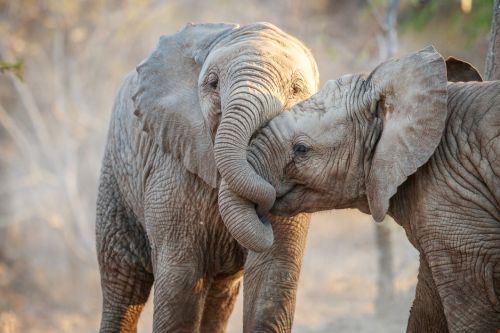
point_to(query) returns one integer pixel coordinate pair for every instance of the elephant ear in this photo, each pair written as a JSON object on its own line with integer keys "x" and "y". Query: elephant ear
{"x": 461, "y": 71}
{"x": 412, "y": 98}
{"x": 167, "y": 103}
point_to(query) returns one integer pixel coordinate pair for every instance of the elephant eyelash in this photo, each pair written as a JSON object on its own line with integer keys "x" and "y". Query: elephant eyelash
{"x": 378, "y": 108}
{"x": 213, "y": 81}
{"x": 214, "y": 84}
{"x": 296, "y": 89}
{"x": 300, "y": 150}
{"x": 297, "y": 86}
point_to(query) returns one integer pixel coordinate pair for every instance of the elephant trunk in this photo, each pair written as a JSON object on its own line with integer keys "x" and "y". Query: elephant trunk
{"x": 249, "y": 228}
{"x": 242, "y": 116}
{"x": 242, "y": 188}
{"x": 242, "y": 221}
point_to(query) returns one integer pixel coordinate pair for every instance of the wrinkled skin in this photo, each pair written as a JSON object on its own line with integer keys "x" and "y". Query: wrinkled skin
{"x": 185, "y": 115}
{"x": 405, "y": 142}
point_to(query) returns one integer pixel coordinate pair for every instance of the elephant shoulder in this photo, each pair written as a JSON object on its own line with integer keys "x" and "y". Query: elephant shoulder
{"x": 476, "y": 108}
{"x": 475, "y": 115}
{"x": 489, "y": 123}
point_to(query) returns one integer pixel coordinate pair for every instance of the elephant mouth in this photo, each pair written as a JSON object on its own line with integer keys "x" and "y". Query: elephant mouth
{"x": 299, "y": 198}
{"x": 288, "y": 200}
{"x": 283, "y": 190}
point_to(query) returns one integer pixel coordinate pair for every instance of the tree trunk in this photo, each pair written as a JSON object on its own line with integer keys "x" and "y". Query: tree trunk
{"x": 388, "y": 39}
{"x": 385, "y": 278}
{"x": 388, "y": 45}
{"x": 492, "y": 68}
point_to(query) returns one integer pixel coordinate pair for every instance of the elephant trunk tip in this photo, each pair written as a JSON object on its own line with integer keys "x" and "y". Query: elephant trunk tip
{"x": 243, "y": 222}
{"x": 257, "y": 242}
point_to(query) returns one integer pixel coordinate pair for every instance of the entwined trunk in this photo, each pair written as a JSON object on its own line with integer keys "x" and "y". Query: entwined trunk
{"x": 250, "y": 104}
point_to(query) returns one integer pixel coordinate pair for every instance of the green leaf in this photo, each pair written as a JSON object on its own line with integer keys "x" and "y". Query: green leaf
{"x": 17, "y": 68}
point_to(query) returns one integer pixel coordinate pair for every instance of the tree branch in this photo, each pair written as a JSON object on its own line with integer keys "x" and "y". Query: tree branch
{"x": 492, "y": 68}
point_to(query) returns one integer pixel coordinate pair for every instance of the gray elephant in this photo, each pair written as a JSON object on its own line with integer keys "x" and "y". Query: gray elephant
{"x": 405, "y": 142}
{"x": 186, "y": 114}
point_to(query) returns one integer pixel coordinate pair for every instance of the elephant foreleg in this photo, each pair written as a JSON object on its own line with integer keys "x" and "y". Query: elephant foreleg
{"x": 180, "y": 290}
{"x": 426, "y": 314}
{"x": 124, "y": 261}
{"x": 220, "y": 302}
{"x": 271, "y": 278}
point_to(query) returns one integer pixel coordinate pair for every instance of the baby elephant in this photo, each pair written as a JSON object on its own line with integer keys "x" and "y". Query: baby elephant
{"x": 180, "y": 127}
{"x": 406, "y": 142}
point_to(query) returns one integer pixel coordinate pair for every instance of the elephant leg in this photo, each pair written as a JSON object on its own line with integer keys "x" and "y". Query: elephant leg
{"x": 463, "y": 253}
{"x": 180, "y": 289}
{"x": 426, "y": 314}
{"x": 220, "y": 302}
{"x": 124, "y": 261}
{"x": 271, "y": 277}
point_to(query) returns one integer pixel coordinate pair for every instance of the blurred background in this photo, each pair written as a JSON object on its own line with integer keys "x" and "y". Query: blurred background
{"x": 61, "y": 63}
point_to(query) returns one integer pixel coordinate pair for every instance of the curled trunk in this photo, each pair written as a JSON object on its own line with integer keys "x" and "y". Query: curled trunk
{"x": 247, "y": 109}
{"x": 242, "y": 221}
{"x": 250, "y": 228}
{"x": 244, "y": 114}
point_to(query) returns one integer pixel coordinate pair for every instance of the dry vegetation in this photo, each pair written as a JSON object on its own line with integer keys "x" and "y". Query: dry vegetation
{"x": 72, "y": 56}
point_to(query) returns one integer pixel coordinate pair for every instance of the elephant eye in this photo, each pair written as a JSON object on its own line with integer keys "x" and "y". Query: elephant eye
{"x": 299, "y": 149}
{"x": 296, "y": 89}
{"x": 213, "y": 81}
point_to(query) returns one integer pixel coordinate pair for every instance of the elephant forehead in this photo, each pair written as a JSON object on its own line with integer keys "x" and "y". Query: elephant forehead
{"x": 335, "y": 91}
{"x": 288, "y": 65}
{"x": 267, "y": 48}
{"x": 265, "y": 32}
{"x": 322, "y": 127}
{"x": 266, "y": 40}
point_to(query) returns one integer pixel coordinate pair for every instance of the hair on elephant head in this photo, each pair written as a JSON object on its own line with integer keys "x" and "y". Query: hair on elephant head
{"x": 206, "y": 89}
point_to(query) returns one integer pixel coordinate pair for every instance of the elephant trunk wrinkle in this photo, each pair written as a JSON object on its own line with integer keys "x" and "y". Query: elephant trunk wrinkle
{"x": 266, "y": 155}
{"x": 244, "y": 114}
{"x": 246, "y": 110}
{"x": 243, "y": 222}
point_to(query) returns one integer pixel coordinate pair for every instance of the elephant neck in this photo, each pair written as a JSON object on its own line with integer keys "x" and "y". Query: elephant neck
{"x": 405, "y": 206}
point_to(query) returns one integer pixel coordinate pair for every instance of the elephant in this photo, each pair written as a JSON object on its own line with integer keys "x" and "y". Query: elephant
{"x": 406, "y": 142}
{"x": 179, "y": 129}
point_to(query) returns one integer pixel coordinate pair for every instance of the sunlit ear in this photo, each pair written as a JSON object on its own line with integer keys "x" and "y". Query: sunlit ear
{"x": 459, "y": 70}
{"x": 412, "y": 99}
{"x": 166, "y": 97}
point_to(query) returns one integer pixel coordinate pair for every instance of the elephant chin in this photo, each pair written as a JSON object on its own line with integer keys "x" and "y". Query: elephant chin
{"x": 242, "y": 221}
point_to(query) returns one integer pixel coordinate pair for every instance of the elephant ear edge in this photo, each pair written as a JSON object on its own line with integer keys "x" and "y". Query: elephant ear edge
{"x": 412, "y": 97}
{"x": 461, "y": 71}
{"x": 166, "y": 101}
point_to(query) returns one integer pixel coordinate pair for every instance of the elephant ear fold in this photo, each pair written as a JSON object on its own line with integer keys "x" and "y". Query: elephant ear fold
{"x": 461, "y": 71}
{"x": 412, "y": 98}
{"x": 166, "y": 100}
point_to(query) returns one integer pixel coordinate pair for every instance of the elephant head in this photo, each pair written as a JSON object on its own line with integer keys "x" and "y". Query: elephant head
{"x": 355, "y": 141}
{"x": 206, "y": 89}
